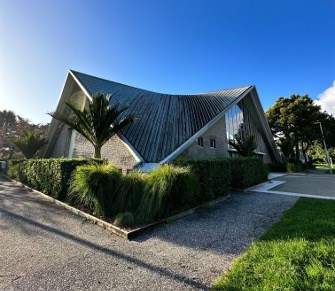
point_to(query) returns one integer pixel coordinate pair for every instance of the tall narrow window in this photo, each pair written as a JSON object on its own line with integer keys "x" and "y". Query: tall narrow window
{"x": 212, "y": 143}
{"x": 68, "y": 150}
{"x": 200, "y": 142}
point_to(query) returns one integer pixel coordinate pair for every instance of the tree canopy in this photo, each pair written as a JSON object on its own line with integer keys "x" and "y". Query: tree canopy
{"x": 29, "y": 142}
{"x": 11, "y": 127}
{"x": 293, "y": 121}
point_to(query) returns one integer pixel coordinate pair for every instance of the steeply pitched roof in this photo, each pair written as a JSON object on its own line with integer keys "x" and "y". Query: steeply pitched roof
{"x": 165, "y": 121}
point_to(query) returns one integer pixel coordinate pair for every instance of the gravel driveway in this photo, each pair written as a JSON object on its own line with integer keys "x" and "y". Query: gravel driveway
{"x": 44, "y": 247}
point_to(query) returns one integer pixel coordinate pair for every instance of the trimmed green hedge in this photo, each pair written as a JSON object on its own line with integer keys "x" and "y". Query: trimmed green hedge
{"x": 138, "y": 198}
{"x": 213, "y": 176}
{"x": 247, "y": 172}
{"x": 217, "y": 176}
{"x": 50, "y": 176}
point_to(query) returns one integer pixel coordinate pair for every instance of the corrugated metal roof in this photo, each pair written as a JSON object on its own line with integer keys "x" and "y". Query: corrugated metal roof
{"x": 165, "y": 121}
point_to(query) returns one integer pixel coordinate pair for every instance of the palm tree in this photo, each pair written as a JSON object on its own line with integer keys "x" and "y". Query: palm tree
{"x": 97, "y": 122}
{"x": 29, "y": 142}
{"x": 245, "y": 147}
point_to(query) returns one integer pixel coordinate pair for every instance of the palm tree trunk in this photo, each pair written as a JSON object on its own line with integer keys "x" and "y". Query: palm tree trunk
{"x": 97, "y": 152}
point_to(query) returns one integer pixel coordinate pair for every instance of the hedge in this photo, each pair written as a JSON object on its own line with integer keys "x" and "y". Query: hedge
{"x": 137, "y": 198}
{"x": 247, "y": 172}
{"x": 212, "y": 175}
{"x": 50, "y": 176}
{"x": 217, "y": 176}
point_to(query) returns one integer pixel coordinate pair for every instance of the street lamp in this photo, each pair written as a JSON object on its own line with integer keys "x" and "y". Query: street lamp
{"x": 329, "y": 161}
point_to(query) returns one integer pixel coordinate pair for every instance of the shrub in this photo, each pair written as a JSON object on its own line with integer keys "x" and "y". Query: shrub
{"x": 50, "y": 176}
{"x": 277, "y": 167}
{"x": 216, "y": 176}
{"x": 15, "y": 170}
{"x": 296, "y": 167}
{"x": 124, "y": 219}
{"x": 212, "y": 176}
{"x": 167, "y": 189}
{"x": 247, "y": 172}
{"x": 130, "y": 192}
{"x": 95, "y": 187}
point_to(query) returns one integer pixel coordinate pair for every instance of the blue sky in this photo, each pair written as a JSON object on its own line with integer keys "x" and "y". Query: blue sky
{"x": 282, "y": 47}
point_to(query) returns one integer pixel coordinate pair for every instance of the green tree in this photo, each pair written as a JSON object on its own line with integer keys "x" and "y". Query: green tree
{"x": 286, "y": 147}
{"x": 98, "y": 121}
{"x": 11, "y": 127}
{"x": 295, "y": 118}
{"x": 29, "y": 142}
{"x": 244, "y": 145}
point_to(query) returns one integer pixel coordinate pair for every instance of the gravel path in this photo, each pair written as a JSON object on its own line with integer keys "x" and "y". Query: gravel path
{"x": 44, "y": 247}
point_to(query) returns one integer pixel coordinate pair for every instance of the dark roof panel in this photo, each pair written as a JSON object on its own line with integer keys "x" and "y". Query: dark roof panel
{"x": 165, "y": 121}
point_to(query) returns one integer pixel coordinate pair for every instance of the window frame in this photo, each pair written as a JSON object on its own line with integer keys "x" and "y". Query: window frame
{"x": 200, "y": 142}
{"x": 212, "y": 143}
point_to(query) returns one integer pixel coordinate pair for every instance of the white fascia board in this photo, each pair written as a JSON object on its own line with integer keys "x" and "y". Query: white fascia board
{"x": 187, "y": 143}
{"x": 131, "y": 148}
{"x": 55, "y": 124}
{"x": 80, "y": 85}
{"x": 265, "y": 126}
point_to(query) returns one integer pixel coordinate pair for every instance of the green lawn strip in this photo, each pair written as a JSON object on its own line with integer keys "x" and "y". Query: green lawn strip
{"x": 297, "y": 253}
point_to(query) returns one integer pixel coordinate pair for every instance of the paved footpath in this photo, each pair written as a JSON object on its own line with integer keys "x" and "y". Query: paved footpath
{"x": 313, "y": 184}
{"x": 44, "y": 247}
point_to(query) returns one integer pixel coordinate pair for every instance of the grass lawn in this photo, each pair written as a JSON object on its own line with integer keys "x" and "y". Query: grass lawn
{"x": 297, "y": 253}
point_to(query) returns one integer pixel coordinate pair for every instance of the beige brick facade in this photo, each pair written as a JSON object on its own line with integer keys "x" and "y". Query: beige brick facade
{"x": 216, "y": 132}
{"x": 114, "y": 151}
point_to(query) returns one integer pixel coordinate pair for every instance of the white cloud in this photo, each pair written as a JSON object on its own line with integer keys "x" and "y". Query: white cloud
{"x": 327, "y": 100}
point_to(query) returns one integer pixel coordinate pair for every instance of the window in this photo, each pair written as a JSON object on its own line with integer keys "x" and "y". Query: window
{"x": 212, "y": 143}
{"x": 200, "y": 142}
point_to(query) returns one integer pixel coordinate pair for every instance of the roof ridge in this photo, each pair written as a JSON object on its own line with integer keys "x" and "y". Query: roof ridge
{"x": 168, "y": 94}
{"x": 76, "y": 72}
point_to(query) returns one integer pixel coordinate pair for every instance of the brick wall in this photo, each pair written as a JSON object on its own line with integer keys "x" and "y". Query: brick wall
{"x": 114, "y": 151}
{"x": 217, "y": 132}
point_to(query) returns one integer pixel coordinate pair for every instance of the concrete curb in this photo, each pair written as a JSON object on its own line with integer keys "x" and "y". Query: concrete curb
{"x": 269, "y": 180}
{"x": 131, "y": 234}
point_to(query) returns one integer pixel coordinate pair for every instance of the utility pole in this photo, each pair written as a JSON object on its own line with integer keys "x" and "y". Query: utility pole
{"x": 329, "y": 161}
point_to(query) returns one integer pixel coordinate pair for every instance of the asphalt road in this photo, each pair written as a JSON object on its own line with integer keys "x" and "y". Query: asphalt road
{"x": 44, "y": 247}
{"x": 314, "y": 183}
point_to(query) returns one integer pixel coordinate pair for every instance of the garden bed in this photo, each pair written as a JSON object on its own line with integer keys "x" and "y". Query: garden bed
{"x": 128, "y": 233}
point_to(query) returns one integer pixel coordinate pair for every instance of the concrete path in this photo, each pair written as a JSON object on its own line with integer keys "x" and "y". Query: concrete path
{"x": 44, "y": 247}
{"x": 314, "y": 184}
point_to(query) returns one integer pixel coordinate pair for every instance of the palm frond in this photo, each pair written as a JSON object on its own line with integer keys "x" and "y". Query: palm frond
{"x": 98, "y": 121}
